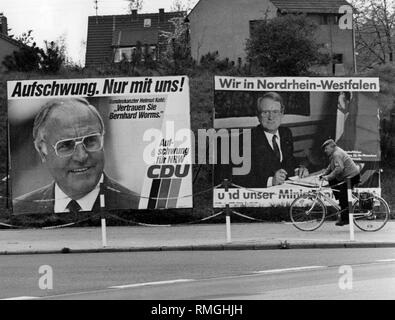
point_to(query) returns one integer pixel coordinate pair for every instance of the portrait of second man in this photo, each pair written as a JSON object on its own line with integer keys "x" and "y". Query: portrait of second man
{"x": 68, "y": 135}
{"x": 272, "y": 150}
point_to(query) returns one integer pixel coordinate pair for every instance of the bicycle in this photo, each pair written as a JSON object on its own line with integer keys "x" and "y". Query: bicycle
{"x": 309, "y": 210}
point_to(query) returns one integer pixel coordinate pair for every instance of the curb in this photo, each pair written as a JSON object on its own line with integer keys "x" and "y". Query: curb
{"x": 283, "y": 245}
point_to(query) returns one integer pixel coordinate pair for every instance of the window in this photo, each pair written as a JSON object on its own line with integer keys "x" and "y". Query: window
{"x": 123, "y": 53}
{"x": 128, "y": 52}
{"x": 329, "y": 19}
{"x": 337, "y": 63}
{"x": 324, "y": 19}
{"x": 337, "y": 58}
{"x": 147, "y": 23}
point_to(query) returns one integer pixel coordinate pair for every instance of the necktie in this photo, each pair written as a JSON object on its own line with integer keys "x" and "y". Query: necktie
{"x": 276, "y": 149}
{"x": 73, "y": 206}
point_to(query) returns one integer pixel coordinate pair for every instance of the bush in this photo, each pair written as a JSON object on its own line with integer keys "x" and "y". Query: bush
{"x": 285, "y": 45}
{"x": 27, "y": 59}
{"x": 34, "y": 59}
{"x": 213, "y": 63}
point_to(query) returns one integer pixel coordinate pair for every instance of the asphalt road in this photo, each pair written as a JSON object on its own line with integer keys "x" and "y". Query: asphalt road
{"x": 277, "y": 274}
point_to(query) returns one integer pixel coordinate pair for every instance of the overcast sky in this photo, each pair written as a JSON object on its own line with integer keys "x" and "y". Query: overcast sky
{"x": 51, "y": 19}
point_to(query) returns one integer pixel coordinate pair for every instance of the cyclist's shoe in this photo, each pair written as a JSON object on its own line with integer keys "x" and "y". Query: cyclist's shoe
{"x": 343, "y": 218}
{"x": 370, "y": 216}
{"x": 341, "y": 223}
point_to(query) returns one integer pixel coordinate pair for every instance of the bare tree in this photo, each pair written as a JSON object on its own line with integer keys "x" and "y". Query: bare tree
{"x": 178, "y": 51}
{"x": 374, "y": 23}
{"x": 182, "y": 5}
{"x": 25, "y": 38}
{"x": 135, "y": 5}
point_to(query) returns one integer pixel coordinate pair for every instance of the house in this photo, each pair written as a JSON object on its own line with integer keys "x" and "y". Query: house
{"x": 225, "y": 25}
{"x": 7, "y": 44}
{"x": 112, "y": 38}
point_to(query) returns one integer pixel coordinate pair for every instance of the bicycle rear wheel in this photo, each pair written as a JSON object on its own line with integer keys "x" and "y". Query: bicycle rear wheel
{"x": 307, "y": 212}
{"x": 374, "y": 219}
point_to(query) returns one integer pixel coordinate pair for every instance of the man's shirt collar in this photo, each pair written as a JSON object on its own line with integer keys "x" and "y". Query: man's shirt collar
{"x": 86, "y": 202}
{"x": 269, "y": 137}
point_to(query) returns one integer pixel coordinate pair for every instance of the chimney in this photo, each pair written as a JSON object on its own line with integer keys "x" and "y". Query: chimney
{"x": 161, "y": 15}
{"x": 134, "y": 15}
{"x": 3, "y": 24}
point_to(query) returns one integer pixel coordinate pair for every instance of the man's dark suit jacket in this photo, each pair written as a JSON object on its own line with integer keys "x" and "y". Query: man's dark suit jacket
{"x": 264, "y": 163}
{"x": 42, "y": 200}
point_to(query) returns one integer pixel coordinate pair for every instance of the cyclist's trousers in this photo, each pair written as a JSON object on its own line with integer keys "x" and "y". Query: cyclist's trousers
{"x": 342, "y": 194}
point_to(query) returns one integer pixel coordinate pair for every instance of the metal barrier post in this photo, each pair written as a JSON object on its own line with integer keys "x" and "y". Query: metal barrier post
{"x": 350, "y": 213}
{"x": 103, "y": 220}
{"x": 103, "y": 233}
{"x": 227, "y": 212}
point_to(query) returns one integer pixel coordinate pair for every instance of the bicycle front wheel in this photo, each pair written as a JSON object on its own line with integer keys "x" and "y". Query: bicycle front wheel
{"x": 307, "y": 212}
{"x": 371, "y": 219}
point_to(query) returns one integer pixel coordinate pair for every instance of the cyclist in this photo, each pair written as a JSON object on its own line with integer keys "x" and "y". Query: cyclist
{"x": 341, "y": 167}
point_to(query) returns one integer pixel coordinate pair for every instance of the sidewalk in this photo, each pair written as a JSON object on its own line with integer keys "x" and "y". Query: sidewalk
{"x": 194, "y": 237}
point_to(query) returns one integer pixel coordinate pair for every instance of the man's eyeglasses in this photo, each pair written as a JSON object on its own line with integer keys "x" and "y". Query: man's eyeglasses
{"x": 66, "y": 147}
{"x": 275, "y": 113}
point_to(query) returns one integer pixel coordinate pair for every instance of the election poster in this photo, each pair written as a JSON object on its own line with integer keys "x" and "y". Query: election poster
{"x": 89, "y": 144}
{"x": 303, "y": 113}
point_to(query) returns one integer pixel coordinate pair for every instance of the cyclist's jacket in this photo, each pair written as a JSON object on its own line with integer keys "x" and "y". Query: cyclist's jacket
{"x": 341, "y": 166}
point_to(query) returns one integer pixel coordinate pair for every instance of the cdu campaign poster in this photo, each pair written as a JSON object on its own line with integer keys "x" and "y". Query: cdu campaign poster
{"x": 89, "y": 144}
{"x": 272, "y": 171}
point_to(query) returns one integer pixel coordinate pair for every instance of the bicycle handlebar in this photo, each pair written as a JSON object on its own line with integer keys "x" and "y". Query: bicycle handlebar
{"x": 321, "y": 182}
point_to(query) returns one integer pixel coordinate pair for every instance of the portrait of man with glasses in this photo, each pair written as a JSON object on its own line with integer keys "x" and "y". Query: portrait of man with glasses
{"x": 272, "y": 151}
{"x": 68, "y": 135}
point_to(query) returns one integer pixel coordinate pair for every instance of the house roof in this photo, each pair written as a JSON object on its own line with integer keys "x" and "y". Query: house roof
{"x": 309, "y": 6}
{"x": 109, "y": 31}
{"x": 10, "y": 40}
{"x": 129, "y": 22}
{"x": 127, "y": 37}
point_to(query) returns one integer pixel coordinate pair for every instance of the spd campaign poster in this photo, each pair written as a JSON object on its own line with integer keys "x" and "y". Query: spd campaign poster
{"x": 302, "y": 113}
{"x": 113, "y": 143}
